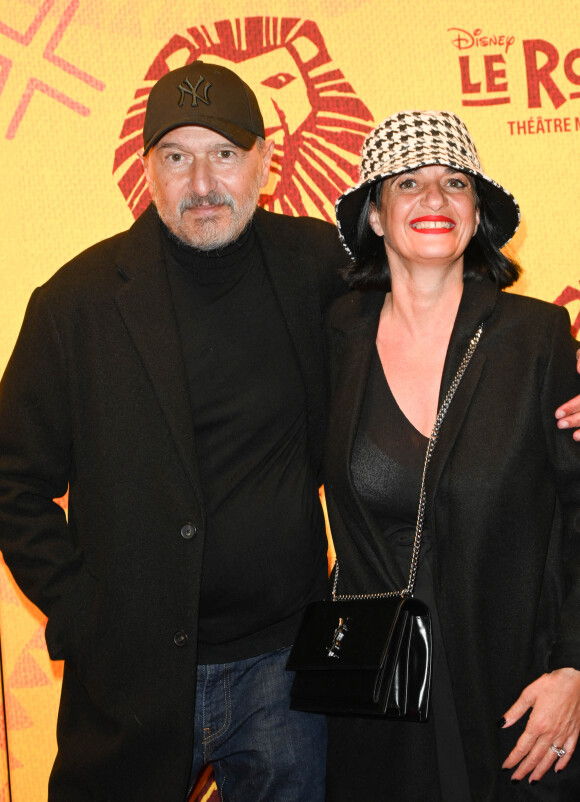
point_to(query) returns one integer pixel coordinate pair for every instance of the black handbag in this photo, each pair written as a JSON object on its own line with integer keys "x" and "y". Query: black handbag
{"x": 371, "y": 654}
{"x": 375, "y": 658}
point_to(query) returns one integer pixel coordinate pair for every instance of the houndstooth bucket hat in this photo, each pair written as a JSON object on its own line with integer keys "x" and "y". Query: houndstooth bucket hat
{"x": 412, "y": 139}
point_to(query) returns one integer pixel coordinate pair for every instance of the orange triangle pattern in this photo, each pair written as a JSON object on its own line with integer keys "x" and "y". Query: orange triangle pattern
{"x": 37, "y": 641}
{"x": 7, "y": 592}
{"x": 16, "y": 716}
{"x": 27, "y": 673}
{"x": 13, "y": 762}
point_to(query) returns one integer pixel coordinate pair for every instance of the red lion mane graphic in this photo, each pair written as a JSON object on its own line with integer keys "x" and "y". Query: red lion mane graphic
{"x": 310, "y": 110}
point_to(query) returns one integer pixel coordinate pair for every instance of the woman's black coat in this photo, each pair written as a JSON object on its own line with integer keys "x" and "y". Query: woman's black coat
{"x": 503, "y": 501}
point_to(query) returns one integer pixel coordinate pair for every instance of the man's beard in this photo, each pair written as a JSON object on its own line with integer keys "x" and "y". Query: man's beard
{"x": 209, "y": 233}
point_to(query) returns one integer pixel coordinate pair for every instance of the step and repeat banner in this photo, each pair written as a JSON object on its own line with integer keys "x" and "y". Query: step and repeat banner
{"x": 74, "y": 79}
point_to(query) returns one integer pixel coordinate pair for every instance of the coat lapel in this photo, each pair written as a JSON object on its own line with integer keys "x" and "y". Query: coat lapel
{"x": 359, "y": 328}
{"x": 146, "y": 307}
{"x": 477, "y": 304}
{"x": 293, "y": 273}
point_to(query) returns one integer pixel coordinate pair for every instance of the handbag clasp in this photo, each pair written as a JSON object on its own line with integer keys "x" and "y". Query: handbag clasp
{"x": 338, "y": 636}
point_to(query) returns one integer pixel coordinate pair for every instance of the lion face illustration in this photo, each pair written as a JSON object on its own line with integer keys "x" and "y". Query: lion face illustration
{"x": 310, "y": 110}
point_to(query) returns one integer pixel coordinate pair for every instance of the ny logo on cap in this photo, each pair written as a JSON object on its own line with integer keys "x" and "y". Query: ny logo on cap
{"x": 188, "y": 89}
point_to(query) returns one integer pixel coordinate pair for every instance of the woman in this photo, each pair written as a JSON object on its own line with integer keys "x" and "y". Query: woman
{"x": 500, "y": 559}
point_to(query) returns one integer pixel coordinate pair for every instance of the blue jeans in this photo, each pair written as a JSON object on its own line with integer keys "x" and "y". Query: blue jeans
{"x": 259, "y": 749}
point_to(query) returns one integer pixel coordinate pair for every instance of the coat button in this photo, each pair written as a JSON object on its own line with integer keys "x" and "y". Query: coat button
{"x": 188, "y": 531}
{"x": 180, "y": 638}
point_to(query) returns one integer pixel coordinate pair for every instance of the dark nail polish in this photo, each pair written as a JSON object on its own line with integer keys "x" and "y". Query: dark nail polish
{"x": 515, "y": 782}
{"x": 500, "y": 722}
{"x": 507, "y": 769}
{"x": 533, "y": 782}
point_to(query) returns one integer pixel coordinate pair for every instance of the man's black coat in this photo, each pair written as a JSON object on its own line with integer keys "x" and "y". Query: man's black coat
{"x": 95, "y": 398}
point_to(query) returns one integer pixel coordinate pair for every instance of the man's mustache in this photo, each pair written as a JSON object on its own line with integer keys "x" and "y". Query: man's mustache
{"x": 212, "y": 198}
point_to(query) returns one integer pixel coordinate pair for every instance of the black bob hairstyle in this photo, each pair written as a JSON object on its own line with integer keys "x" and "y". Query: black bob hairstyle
{"x": 370, "y": 269}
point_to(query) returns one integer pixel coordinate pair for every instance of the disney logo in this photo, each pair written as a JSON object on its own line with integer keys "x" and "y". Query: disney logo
{"x": 464, "y": 40}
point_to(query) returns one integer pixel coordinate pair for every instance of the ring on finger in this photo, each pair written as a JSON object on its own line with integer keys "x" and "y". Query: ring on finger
{"x": 558, "y": 750}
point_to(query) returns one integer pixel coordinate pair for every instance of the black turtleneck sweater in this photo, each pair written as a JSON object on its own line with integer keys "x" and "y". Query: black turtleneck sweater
{"x": 265, "y": 554}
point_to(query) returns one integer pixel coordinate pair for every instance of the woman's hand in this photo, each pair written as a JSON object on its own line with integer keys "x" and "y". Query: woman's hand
{"x": 555, "y": 719}
{"x": 568, "y": 415}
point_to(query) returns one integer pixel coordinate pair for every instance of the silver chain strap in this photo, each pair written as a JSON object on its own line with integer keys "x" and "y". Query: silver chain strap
{"x": 408, "y": 591}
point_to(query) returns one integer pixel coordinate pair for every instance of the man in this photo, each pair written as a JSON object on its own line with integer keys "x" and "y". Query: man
{"x": 172, "y": 378}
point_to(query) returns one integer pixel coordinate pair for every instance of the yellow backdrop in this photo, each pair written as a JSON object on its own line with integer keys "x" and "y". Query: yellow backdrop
{"x": 74, "y": 77}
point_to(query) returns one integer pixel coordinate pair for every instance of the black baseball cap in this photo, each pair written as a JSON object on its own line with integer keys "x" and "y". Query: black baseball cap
{"x": 203, "y": 94}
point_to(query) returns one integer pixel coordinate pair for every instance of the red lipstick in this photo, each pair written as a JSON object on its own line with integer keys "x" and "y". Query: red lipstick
{"x": 432, "y": 224}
